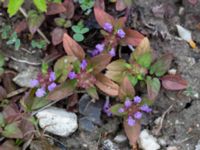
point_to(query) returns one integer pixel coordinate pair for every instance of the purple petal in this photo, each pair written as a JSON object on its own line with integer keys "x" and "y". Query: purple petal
{"x": 128, "y": 103}
{"x": 83, "y": 64}
{"x": 145, "y": 108}
{"x": 121, "y": 110}
{"x": 138, "y": 115}
{"x": 52, "y": 86}
{"x": 34, "y": 83}
{"x": 106, "y": 108}
{"x": 108, "y": 27}
{"x": 40, "y": 92}
{"x": 72, "y": 75}
{"x": 131, "y": 121}
{"x": 52, "y": 76}
{"x": 121, "y": 33}
{"x": 100, "y": 47}
{"x": 112, "y": 52}
{"x": 137, "y": 99}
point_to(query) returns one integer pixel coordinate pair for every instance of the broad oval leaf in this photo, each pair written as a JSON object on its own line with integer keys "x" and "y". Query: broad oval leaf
{"x": 72, "y": 48}
{"x": 106, "y": 85}
{"x": 13, "y": 6}
{"x": 126, "y": 89}
{"x": 132, "y": 132}
{"x": 102, "y": 17}
{"x": 116, "y": 76}
{"x": 100, "y": 62}
{"x": 118, "y": 65}
{"x": 34, "y": 20}
{"x": 162, "y": 65}
{"x": 132, "y": 37}
{"x": 12, "y": 131}
{"x": 62, "y": 91}
{"x": 57, "y": 36}
{"x": 55, "y": 8}
{"x": 174, "y": 82}
{"x": 153, "y": 87}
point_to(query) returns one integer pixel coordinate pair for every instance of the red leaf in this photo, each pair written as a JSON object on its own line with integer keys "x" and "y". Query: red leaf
{"x": 133, "y": 37}
{"x": 21, "y": 26}
{"x": 100, "y": 4}
{"x": 98, "y": 64}
{"x": 69, "y": 5}
{"x": 120, "y": 5}
{"x": 132, "y": 132}
{"x": 106, "y": 85}
{"x": 174, "y": 82}
{"x": 126, "y": 89}
{"x": 102, "y": 17}
{"x": 57, "y": 36}
{"x": 72, "y": 47}
{"x": 55, "y": 8}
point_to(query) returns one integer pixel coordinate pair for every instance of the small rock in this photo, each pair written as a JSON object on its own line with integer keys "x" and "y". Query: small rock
{"x": 197, "y": 147}
{"x": 147, "y": 141}
{"x": 86, "y": 124}
{"x": 109, "y": 145}
{"x": 172, "y": 71}
{"x": 57, "y": 121}
{"x": 90, "y": 109}
{"x": 120, "y": 138}
{"x": 23, "y": 78}
{"x": 172, "y": 148}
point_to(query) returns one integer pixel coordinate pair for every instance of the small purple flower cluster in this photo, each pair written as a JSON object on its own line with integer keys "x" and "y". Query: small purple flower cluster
{"x": 136, "y": 115}
{"x": 98, "y": 49}
{"x": 44, "y": 84}
{"x": 109, "y": 28}
{"x": 106, "y": 108}
{"x": 72, "y": 75}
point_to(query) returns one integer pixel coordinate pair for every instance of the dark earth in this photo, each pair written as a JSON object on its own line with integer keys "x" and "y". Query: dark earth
{"x": 156, "y": 19}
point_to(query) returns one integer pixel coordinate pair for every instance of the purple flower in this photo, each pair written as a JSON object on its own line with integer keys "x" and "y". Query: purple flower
{"x": 52, "y": 86}
{"x": 137, "y": 99}
{"x": 40, "y": 92}
{"x": 52, "y": 76}
{"x": 128, "y": 103}
{"x": 95, "y": 52}
{"x": 100, "y": 47}
{"x": 106, "y": 108}
{"x": 112, "y": 52}
{"x": 83, "y": 64}
{"x": 145, "y": 108}
{"x": 72, "y": 75}
{"x": 121, "y": 110}
{"x": 34, "y": 83}
{"x": 131, "y": 121}
{"x": 108, "y": 27}
{"x": 121, "y": 33}
{"x": 138, "y": 115}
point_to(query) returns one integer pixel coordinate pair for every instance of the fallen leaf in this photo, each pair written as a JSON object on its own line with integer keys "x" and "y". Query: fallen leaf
{"x": 21, "y": 26}
{"x": 132, "y": 37}
{"x": 69, "y": 6}
{"x": 55, "y": 8}
{"x": 57, "y": 35}
{"x": 174, "y": 82}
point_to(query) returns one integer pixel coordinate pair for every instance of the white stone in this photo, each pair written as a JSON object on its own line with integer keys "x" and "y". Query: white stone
{"x": 57, "y": 121}
{"x": 147, "y": 141}
{"x": 172, "y": 71}
{"x": 120, "y": 138}
{"x": 172, "y": 148}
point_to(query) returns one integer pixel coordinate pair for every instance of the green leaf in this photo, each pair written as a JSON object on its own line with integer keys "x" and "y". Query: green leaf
{"x": 2, "y": 60}
{"x": 34, "y": 20}
{"x": 17, "y": 44}
{"x": 2, "y": 120}
{"x": 76, "y": 29}
{"x": 153, "y": 87}
{"x": 162, "y": 65}
{"x": 145, "y": 60}
{"x": 38, "y": 103}
{"x": 45, "y": 67}
{"x": 115, "y": 110}
{"x": 41, "y": 5}
{"x": 133, "y": 79}
{"x": 84, "y": 30}
{"x": 40, "y": 44}
{"x": 13, "y": 6}
{"x": 12, "y": 131}
{"x": 92, "y": 91}
{"x": 5, "y": 31}
{"x": 78, "y": 37}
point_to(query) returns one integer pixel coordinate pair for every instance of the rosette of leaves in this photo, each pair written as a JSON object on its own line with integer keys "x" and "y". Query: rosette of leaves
{"x": 79, "y": 30}
{"x": 89, "y": 79}
{"x": 86, "y": 5}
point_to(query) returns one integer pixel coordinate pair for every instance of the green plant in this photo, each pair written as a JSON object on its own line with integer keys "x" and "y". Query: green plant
{"x": 79, "y": 30}
{"x": 2, "y": 62}
{"x": 5, "y": 32}
{"x": 14, "y": 40}
{"x": 86, "y": 5}
{"x": 40, "y": 44}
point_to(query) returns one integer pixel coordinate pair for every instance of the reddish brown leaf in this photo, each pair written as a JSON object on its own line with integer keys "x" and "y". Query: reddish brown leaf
{"x": 9, "y": 145}
{"x": 69, "y": 6}
{"x": 72, "y": 47}
{"x": 21, "y": 26}
{"x": 153, "y": 87}
{"x": 3, "y": 93}
{"x": 121, "y": 22}
{"x": 102, "y": 17}
{"x": 62, "y": 91}
{"x": 126, "y": 89}
{"x": 133, "y": 37}
{"x": 55, "y": 8}
{"x": 132, "y": 132}
{"x": 106, "y": 85}
{"x": 11, "y": 113}
{"x": 174, "y": 82}
{"x": 57, "y": 35}
{"x": 27, "y": 128}
{"x": 100, "y": 62}
{"x": 120, "y": 5}
{"x": 100, "y": 4}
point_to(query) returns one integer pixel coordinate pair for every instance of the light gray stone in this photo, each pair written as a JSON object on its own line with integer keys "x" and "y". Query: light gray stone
{"x": 120, "y": 138}
{"x": 57, "y": 121}
{"x": 109, "y": 145}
